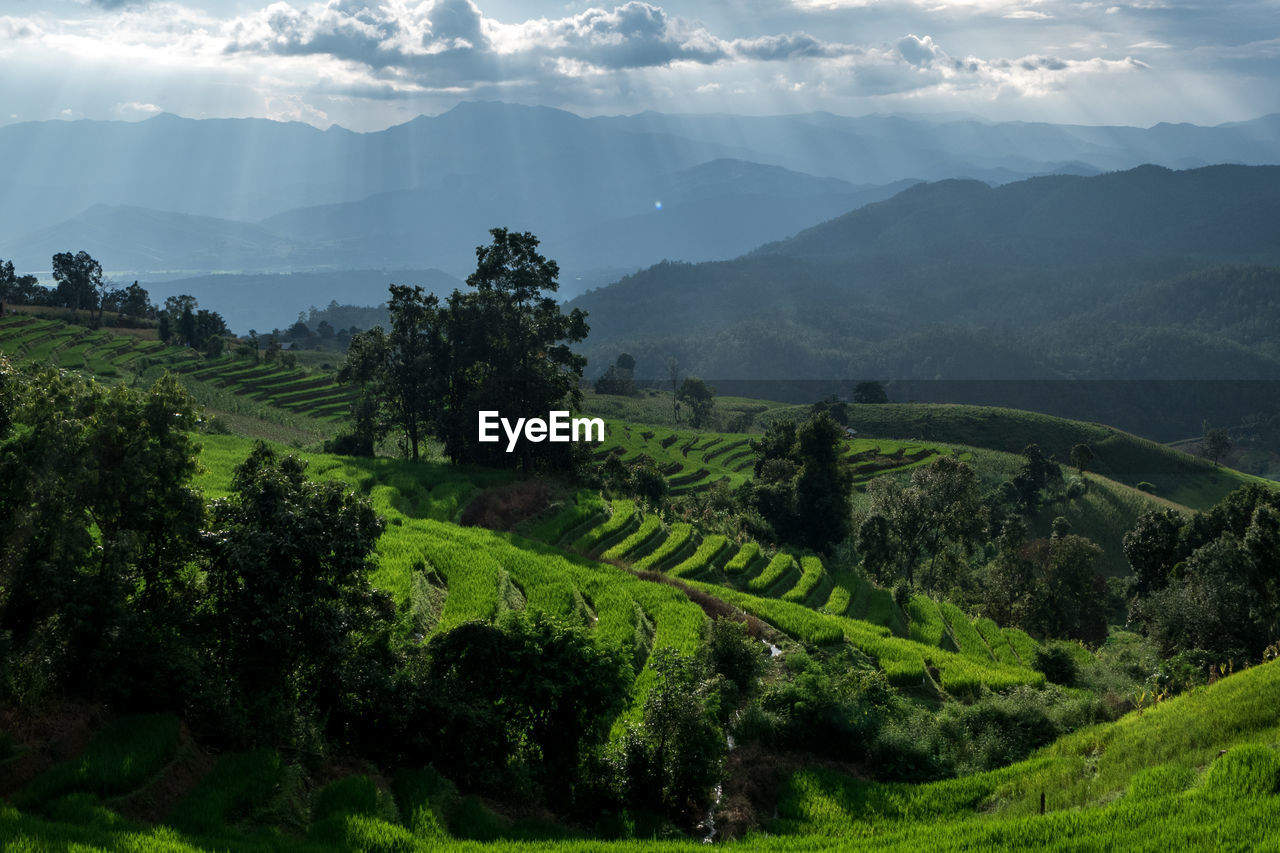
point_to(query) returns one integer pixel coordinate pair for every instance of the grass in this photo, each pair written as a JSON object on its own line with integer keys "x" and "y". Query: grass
{"x": 1119, "y": 456}
{"x": 239, "y": 783}
{"x": 120, "y": 757}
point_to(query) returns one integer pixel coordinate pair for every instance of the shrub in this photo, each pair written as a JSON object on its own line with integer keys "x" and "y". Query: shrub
{"x": 1057, "y": 664}
{"x": 902, "y": 594}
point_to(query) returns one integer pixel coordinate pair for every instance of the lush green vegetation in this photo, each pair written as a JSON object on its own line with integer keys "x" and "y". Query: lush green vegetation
{"x": 294, "y": 606}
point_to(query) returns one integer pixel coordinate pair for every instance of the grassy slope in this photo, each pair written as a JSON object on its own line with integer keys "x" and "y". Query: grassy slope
{"x": 1151, "y": 781}
{"x": 1147, "y": 781}
{"x": 1118, "y": 455}
{"x": 697, "y": 460}
{"x": 266, "y": 401}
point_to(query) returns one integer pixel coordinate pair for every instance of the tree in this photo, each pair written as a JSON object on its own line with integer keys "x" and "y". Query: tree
{"x": 80, "y": 284}
{"x": 674, "y": 757}
{"x": 870, "y": 392}
{"x": 673, "y": 376}
{"x": 289, "y": 595}
{"x": 509, "y": 351}
{"x": 189, "y": 324}
{"x": 100, "y": 521}
{"x": 823, "y": 503}
{"x": 526, "y": 694}
{"x": 133, "y": 301}
{"x": 940, "y": 508}
{"x": 699, "y": 397}
{"x": 834, "y": 406}
{"x": 1216, "y": 444}
{"x": 1009, "y": 584}
{"x": 1072, "y": 597}
{"x": 1152, "y": 548}
{"x": 1081, "y": 457}
{"x": 1038, "y": 472}
{"x": 503, "y": 346}
{"x": 619, "y": 379}
{"x": 19, "y": 289}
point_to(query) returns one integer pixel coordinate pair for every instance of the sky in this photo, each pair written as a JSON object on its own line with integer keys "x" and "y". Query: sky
{"x": 369, "y": 64}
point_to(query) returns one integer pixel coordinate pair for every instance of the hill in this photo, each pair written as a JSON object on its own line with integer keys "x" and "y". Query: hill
{"x": 1062, "y": 278}
{"x": 1206, "y": 758}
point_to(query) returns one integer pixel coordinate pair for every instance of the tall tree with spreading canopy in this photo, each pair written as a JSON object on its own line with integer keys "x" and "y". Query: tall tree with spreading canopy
{"x": 823, "y": 504}
{"x": 509, "y": 347}
{"x": 80, "y": 284}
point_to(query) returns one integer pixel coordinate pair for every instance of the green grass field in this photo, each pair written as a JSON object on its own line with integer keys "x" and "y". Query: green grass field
{"x": 1201, "y": 771}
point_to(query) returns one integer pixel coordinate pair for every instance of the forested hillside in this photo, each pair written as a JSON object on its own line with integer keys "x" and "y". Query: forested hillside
{"x": 1145, "y": 274}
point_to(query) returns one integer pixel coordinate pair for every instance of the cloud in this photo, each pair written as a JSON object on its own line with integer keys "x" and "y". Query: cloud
{"x": 319, "y": 61}
{"x": 919, "y": 51}
{"x": 15, "y": 29}
{"x": 134, "y": 108}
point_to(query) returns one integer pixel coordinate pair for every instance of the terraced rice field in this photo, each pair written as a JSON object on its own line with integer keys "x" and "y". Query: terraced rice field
{"x": 695, "y": 461}
{"x": 928, "y": 644}
{"x": 449, "y": 574}
{"x": 109, "y": 355}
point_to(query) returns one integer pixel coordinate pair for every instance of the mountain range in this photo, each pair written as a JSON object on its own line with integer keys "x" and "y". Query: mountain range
{"x": 1148, "y": 273}
{"x": 170, "y": 197}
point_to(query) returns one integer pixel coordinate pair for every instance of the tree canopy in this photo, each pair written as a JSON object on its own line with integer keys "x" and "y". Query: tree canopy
{"x": 502, "y": 346}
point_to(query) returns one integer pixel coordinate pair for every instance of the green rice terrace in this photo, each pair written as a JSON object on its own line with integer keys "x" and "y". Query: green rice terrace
{"x": 1201, "y": 769}
{"x": 226, "y": 382}
{"x": 1115, "y": 759}
{"x": 694, "y": 461}
{"x": 942, "y": 650}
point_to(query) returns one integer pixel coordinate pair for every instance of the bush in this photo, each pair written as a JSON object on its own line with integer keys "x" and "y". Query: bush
{"x": 902, "y": 594}
{"x": 734, "y": 654}
{"x": 350, "y": 444}
{"x": 1057, "y": 664}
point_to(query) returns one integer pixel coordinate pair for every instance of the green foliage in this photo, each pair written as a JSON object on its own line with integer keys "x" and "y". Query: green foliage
{"x": 1210, "y": 582}
{"x": 121, "y": 755}
{"x": 940, "y": 509}
{"x": 1057, "y": 664}
{"x": 671, "y": 760}
{"x": 239, "y": 783}
{"x": 290, "y": 599}
{"x": 503, "y": 346}
{"x": 698, "y": 398}
{"x": 822, "y": 486}
{"x": 732, "y": 653}
{"x": 95, "y": 487}
{"x": 425, "y": 799}
{"x": 18, "y": 289}
{"x": 352, "y": 795}
{"x": 524, "y": 695}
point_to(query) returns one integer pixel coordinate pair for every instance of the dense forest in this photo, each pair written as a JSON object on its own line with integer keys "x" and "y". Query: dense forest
{"x": 1145, "y": 274}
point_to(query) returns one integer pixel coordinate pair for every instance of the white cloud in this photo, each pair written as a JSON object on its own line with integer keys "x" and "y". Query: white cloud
{"x": 330, "y": 60}
{"x": 133, "y": 108}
